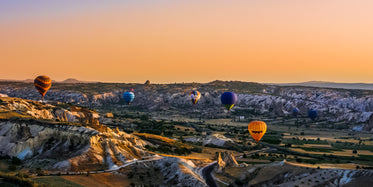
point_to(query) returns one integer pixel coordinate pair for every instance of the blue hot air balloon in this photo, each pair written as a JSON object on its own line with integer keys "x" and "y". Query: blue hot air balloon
{"x": 312, "y": 114}
{"x": 295, "y": 112}
{"x": 128, "y": 97}
{"x": 228, "y": 99}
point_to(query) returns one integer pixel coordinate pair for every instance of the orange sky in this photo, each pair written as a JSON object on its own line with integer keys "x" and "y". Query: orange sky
{"x": 184, "y": 41}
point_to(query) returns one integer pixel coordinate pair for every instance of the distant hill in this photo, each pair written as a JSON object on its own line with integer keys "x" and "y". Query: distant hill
{"x": 72, "y": 80}
{"x": 362, "y": 86}
{"x": 69, "y": 80}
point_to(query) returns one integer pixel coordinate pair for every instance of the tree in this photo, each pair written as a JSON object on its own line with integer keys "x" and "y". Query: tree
{"x": 12, "y": 167}
{"x": 16, "y": 161}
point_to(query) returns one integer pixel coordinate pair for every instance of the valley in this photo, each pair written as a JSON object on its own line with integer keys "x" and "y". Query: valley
{"x": 84, "y": 134}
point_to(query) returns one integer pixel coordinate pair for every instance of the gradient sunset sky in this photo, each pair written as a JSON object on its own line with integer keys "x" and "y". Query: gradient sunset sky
{"x": 169, "y": 41}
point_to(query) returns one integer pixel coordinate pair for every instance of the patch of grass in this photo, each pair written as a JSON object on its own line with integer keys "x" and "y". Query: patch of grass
{"x": 297, "y": 141}
{"x": 320, "y": 149}
{"x": 240, "y": 162}
{"x": 271, "y": 139}
{"x": 55, "y": 182}
{"x": 12, "y": 179}
{"x": 166, "y": 145}
{"x": 366, "y": 157}
{"x": 155, "y": 137}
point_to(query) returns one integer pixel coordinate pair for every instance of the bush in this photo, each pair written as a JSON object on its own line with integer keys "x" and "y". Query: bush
{"x": 40, "y": 172}
{"x": 16, "y": 161}
{"x": 17, "y": 180}
{"x": 197, "y": 149}
{"x": 12, "y": 167}
{"x": 22, "y": 175}
{"x": 271, "y": 139}
{"x": 130, "y": 175}
{"x": 5, "y": 157}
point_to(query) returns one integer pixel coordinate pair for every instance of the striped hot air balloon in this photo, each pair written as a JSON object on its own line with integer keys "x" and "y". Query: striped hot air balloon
{"x": 195, "y": 96}
{"x": 228, "y": 99}
{"x": 42, "y": 84}
{"x": 257, "y": 129}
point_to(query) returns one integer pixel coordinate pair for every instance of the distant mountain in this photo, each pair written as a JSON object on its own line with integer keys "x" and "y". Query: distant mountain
{"x": 28, "y": 80}
{"x": 12, "y": 80}
{"x": 362, "y": 86}
{"x": 9, "y": 80}
{"x": 71, "y": 80}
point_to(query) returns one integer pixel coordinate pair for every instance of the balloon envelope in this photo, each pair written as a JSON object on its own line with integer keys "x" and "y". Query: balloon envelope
{"x": 257, "y": 129}
{"x": 295, "y": 112}
{"x": 312, "y": 114}
{"x": 195, "y": 96}
{"x": 42, "y": 84}
{"x": 228, "y": 99}
{"x": 128, "y": 97}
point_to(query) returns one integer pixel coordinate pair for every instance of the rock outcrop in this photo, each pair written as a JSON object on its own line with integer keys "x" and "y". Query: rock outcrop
{"x": 55, "y": 138}
{"x": 225, "y": 159}
{"x": 178, "y": 172}
{"x": 214, "y": 139}
{"x": 221, "y": 164}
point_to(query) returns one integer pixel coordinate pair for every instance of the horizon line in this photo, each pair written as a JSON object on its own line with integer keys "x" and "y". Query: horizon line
{"x": 92, "y": 81}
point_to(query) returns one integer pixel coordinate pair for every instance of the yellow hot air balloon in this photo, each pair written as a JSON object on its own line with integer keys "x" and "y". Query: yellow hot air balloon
{"x": 257, "y": 129}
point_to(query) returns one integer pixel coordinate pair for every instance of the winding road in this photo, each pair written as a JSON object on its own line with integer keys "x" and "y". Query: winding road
{"x": 206, "y": 173}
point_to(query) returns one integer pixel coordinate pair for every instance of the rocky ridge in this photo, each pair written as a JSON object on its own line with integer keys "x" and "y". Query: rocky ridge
{"x": 334, "y": 105}
{"x": 71, "y": 139}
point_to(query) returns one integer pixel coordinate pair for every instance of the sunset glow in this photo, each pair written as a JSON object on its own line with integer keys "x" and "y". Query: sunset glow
{"x": 184, "y": 41}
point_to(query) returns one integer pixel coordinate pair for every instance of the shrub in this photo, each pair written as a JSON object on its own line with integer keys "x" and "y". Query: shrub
{"x": 22, "y": 175}
{"x": 12, "y": 167}
{"x": 16, "y": 161}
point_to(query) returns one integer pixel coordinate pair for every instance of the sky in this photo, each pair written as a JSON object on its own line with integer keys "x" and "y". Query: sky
{"x": 166, "y": 41}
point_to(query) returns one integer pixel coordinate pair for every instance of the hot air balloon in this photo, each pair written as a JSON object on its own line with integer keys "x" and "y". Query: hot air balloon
{"x": 42, "y": 84}
{"x": 228, "y": 99}
{"x": 295, "y": 112}
{"x": 312, "y": 114}
{"x": 195, "y": 96}
{"x": 257, "y": 129}
{"x": 128, "y": 97}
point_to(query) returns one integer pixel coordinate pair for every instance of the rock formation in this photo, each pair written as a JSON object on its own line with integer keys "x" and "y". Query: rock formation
{"x": 225, "y": 159}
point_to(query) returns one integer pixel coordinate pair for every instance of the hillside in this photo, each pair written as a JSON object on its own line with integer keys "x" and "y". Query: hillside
{"x": 163, "y": 139}
{"x": 321, "y": 84}
{"x": 353, "y": 108}
{"x": 70, "y": 139}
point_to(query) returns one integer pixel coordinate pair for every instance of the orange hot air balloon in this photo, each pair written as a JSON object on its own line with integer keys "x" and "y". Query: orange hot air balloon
{"x": 257, "y": 129}
{"x": 42, "y": 84}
